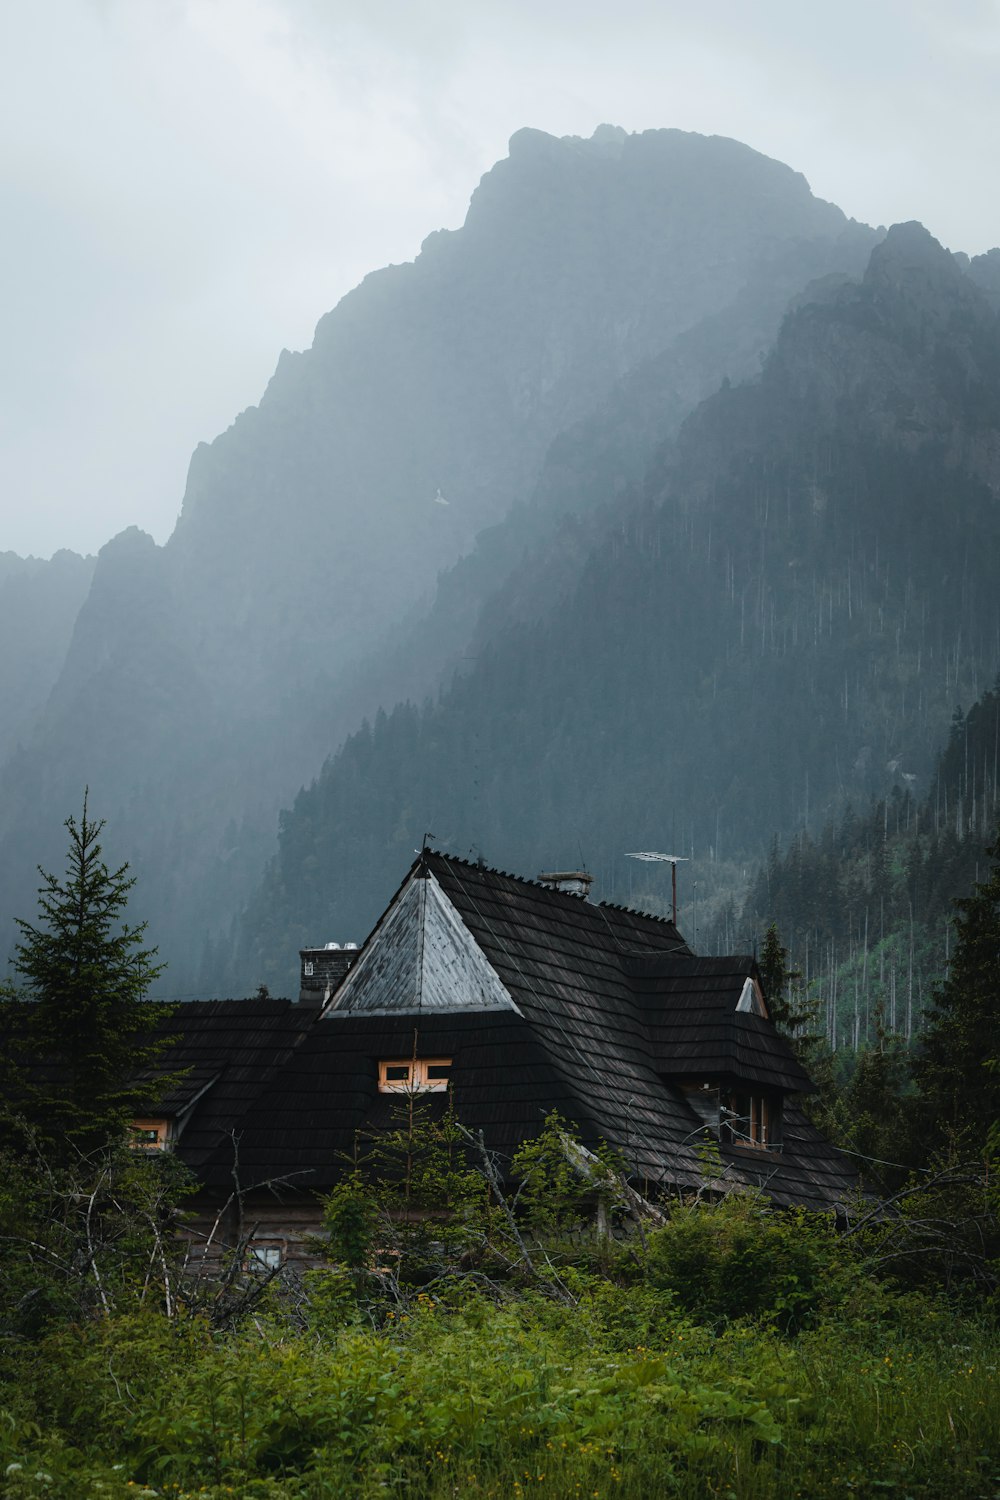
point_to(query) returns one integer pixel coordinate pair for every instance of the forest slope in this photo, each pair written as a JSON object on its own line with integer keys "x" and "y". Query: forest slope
{"x": 866, "y": 906}
{"x": 783, "y": 623}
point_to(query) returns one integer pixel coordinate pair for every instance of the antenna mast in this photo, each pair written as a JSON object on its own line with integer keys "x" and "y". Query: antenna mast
{"x": 650, "y": 856}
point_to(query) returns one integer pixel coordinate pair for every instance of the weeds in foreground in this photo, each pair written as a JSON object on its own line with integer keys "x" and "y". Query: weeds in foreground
{"x": 462, "y": 1396}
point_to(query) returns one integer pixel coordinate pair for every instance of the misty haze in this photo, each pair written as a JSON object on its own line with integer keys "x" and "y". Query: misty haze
{"x": 498, "y": 573}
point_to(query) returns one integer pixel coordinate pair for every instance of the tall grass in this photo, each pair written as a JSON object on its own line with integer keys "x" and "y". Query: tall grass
{"x": 622, "y": 1395}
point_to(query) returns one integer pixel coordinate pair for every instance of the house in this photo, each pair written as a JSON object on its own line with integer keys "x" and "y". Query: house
{"x": 516, "y": 997}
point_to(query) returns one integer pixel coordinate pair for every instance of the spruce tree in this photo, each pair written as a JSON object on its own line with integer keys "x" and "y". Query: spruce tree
{"x": 959, "y": 1090}
{"x": 89, "y": 1022}
{"x": 779, "y": 981}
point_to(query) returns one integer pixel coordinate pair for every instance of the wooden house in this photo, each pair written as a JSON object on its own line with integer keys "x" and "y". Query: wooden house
{"x": 516, "y": 997}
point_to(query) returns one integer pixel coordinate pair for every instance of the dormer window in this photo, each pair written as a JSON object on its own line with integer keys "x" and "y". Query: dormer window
{"x": 750, "y": 1120}
{"x": 150, "y": 1135}
{"x": 426, "y": 1075}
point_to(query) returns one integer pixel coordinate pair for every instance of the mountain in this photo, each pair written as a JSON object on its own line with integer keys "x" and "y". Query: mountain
{"x": 781, "y": 622}
{"x": 39, "y": 603}
{"x": 610, "y": 282}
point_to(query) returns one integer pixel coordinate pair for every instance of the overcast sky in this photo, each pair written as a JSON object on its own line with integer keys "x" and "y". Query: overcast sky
{"x": 189, "y": 184}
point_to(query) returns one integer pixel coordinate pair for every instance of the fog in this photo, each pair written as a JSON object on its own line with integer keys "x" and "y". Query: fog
{"x": 190, "y": 184}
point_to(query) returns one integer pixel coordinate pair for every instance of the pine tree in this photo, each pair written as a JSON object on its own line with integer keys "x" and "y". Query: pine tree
{"x": 780, "y": 984}
{"x": 89, "y": 1020}
{"x": 794, "y": 1014}
{"x": 874, "y": 1109}
{"x": 959, "y": 1091}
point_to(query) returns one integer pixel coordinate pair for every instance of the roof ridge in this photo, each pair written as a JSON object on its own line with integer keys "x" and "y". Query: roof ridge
{"x": 634, "y": 911}
{"x": 542, "y": 885}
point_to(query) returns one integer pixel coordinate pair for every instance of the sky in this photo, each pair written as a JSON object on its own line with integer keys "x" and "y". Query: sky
{"x": 188, "y": 185}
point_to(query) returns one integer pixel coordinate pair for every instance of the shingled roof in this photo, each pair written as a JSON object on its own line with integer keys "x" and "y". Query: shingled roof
{"x": 543, "y": 1001}
{"x": 696, "y": 1029}
{"x": 221, "y": 1054}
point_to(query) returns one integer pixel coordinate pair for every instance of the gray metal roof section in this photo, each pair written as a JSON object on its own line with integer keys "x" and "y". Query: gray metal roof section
{"x": 421, "y": 957}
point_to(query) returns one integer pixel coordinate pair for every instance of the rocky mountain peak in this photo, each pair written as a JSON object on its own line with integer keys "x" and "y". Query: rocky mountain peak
{"x": 984, "y": 270}
{"x": 913, "y": 279}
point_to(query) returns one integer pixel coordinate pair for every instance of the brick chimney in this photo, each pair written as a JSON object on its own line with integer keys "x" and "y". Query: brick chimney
{"x": 322, "y": 969}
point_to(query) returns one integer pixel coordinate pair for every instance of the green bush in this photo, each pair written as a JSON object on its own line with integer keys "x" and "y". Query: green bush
{"x": 528, "y": 1398}
{"x": 739, "y": 1259}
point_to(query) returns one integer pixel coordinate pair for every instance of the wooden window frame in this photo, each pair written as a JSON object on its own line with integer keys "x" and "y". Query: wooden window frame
{"x": 263, "y": 1259}
{"x": 417, "y": 1079}
{"x": 143, "y": 1138}
{"x": 757, "y": 1127}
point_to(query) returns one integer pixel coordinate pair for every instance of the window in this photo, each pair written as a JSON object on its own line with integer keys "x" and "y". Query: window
{"x": 263, "y": 1257}
{"x": 150, "y": 1135}
{"x": 750, "y": 1120}
{"x": 426, "y": 1074}
{"x": 307, "y": 967}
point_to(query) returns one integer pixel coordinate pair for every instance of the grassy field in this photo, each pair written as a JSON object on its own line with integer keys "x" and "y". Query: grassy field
{"x": 621, "y": 1395}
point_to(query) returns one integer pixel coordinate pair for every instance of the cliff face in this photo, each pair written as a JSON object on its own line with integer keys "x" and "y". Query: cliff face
{"x": 39, "y": 602}
{"x": 609, "y": 282}
{"x": 314, "y": 521}
{"x": 781, "y": 623}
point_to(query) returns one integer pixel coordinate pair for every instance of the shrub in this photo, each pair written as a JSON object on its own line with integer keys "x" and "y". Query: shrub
{"x": 739, "y": 1259}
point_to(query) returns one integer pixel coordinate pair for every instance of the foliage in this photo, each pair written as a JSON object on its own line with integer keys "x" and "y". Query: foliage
{"x": 940, "y": 1231}
{"x": 350, "y": 1222}
{"x": 866, "y": 906}
{"x": 729, "y": 1350}
{"x": 959, "y": 1092}
{"x": 560, "y": 1184}
{"x": 870, "y": 1112}
{"x": 521, "y": 1399}
{"x": 779, "y": 978}
{"x": 85, "y": 1030}
{"x": 411, "y": 1201}
{"x": 740, "y": 1259}
{"x": 92, "y": 1237}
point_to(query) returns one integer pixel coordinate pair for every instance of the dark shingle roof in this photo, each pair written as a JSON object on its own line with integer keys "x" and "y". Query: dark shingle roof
{"x": 808, "y": 1172}
{"x": 560, "y": 958}
{"x": 309, "y": 1118}
{"x": 227, "y": 1050}
{"x": 696, "y": 1031}
{"x": 607, "y": 1005}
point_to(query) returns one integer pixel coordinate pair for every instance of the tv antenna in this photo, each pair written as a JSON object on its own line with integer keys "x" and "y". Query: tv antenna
{"x": 653, "y": 857}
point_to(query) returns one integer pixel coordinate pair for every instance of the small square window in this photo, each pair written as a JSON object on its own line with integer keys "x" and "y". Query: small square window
{"x": 263, "y": 1257}
{"x": 424, "y": 1075}
{"x": 149, "y": 1135}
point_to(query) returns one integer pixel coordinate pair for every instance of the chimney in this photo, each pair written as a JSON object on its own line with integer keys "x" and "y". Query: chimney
{"x": 573, "y": 882}
{"x": 322, "y": 969}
